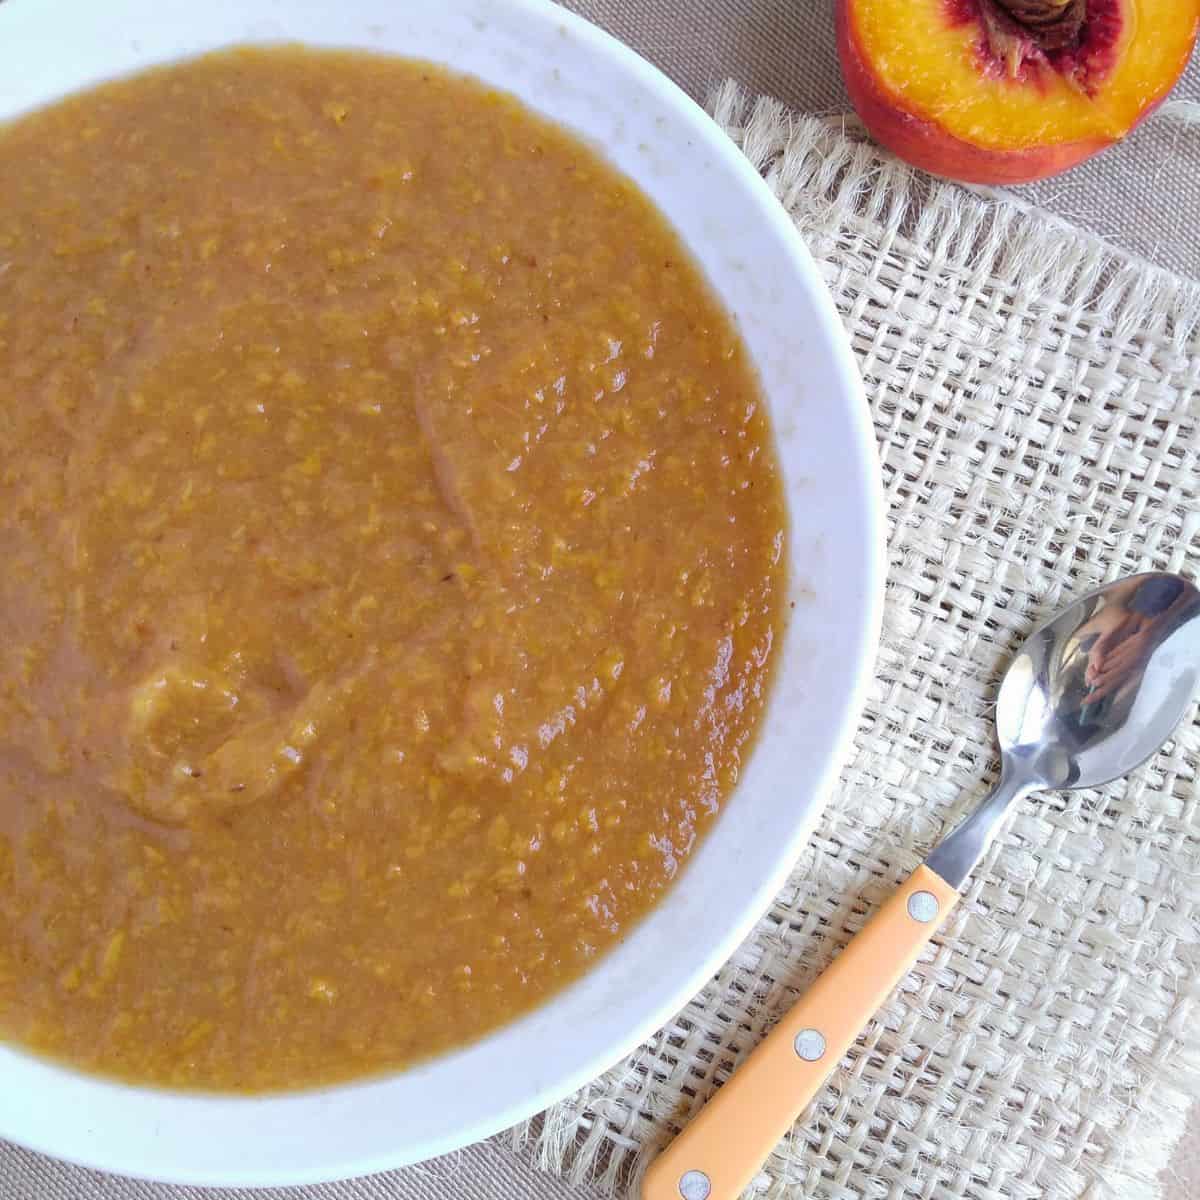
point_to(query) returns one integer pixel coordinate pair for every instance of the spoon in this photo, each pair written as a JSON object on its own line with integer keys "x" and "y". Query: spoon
{"x": 1093, "y": 693}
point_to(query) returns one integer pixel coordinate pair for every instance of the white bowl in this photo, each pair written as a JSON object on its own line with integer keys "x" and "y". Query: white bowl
{"x": 569, "y": 70}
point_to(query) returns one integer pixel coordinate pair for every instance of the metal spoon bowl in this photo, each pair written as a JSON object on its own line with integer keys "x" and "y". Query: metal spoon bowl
{"x": 1091, "y": 695}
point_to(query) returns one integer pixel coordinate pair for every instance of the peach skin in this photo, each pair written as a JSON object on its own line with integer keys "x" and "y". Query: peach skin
{"x": 1008, "y": 91}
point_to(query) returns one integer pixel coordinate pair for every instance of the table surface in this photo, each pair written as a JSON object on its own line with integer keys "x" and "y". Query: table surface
{"x": 784, "y": 48}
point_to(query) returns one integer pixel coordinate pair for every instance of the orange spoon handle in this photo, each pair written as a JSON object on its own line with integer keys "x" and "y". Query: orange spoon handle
{"x": 721, "y": 1150}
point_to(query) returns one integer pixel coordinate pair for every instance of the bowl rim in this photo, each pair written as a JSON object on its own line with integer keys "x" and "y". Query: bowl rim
{"x": 546, "y": 1088}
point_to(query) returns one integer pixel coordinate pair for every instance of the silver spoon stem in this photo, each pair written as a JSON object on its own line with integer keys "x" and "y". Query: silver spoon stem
{"x": 956, "y": 856}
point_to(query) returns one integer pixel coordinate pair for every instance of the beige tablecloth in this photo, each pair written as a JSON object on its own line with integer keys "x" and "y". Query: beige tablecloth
{"x": 1145, "y": 196}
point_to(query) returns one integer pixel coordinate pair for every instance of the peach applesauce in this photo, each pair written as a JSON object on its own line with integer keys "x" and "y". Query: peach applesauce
{"x": 393, "y": 553}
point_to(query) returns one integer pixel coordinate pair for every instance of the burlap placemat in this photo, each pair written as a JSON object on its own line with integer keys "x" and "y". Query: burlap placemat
{"x": 1036, "y": 399}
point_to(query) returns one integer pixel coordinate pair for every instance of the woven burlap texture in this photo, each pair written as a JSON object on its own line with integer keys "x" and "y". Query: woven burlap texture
{"x": 1036, "y": 400}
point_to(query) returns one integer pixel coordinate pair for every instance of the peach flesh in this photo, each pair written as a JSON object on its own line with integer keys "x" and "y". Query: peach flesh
{"x": 962, "y": 89}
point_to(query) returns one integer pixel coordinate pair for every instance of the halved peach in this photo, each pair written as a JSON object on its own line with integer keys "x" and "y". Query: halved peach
{"x": 1006, "y": 91}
